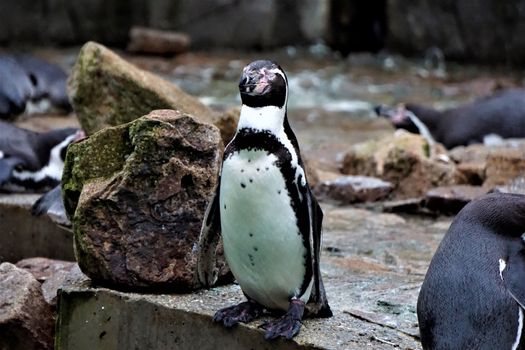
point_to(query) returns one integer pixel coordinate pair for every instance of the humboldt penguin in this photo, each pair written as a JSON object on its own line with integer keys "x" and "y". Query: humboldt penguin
{"x": 501, "y": 115}
{"x": 268, "y": 217}
{"x": 473, "y": 294}
{"x": 32, "y": 161}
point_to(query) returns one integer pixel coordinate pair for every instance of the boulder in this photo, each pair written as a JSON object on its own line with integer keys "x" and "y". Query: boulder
{"x": 26, "y": 320}
{"x": 404, "y": 160}
{"x": 159, "y": 42}
{"x": 137, "y": 194}
{"x": 451, "y": 199}
{"x": 105, "y": 90}
{"x": 353, "y": 189}
{"x": 504, "y": 165}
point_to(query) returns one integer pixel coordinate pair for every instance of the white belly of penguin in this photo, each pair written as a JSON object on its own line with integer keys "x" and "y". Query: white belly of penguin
{"x": 262, "y": 243}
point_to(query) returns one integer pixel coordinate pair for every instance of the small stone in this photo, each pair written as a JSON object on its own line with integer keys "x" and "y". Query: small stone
{"x": 451, "y": 199}
{"x": 26, "y": 320}
{"x": 44, "y": 268}
{"x": 158, "y": 42}
{"x": 353, "y": 189}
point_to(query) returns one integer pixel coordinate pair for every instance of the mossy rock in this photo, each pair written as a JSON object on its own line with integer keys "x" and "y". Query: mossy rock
{"x": 136, "y": 195}
{"x": 105, "y": 90}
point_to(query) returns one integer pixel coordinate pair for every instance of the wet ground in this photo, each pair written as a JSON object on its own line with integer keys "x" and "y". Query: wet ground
{"x": 374, "y": 263}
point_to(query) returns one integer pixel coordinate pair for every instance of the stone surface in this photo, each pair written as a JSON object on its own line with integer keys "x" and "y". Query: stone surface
{"x": 515, "y": 186}
{"x": 372, "y": 265}
{"x": 26, "y": 320}
{"x": 471, "y": 162}
{"x": 105, "y": 90}
{"x": 404, "y": 160}
{"x": 159, "y": 42}
{"x": 56, "y": 281}
{"x": 353, "y": 189}
{"x": 451, "y": 199}
{"x": 137, "y": 195}
{"x": 23, "y": 235}
{"x": 43, "y": 268}
{"x": 504, "y": 165}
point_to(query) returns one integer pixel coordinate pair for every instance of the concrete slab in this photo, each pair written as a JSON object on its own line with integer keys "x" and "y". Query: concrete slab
{"x": 373, "y": 266}
{"x": 23, "y": 235}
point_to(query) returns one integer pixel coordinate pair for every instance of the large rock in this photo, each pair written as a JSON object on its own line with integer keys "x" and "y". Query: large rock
{"x": 105, "y": 90}
{"x": 404, "y": 160}
{"x": 136, "y": 194}
{"x": 26, "y": 320}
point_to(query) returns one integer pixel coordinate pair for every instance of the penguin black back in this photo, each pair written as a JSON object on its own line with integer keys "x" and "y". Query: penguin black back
{"x": 474, "y": 290}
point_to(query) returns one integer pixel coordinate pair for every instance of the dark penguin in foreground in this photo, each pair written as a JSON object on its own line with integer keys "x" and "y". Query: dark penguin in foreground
{"x": 269, "y": 220}
{"x": 474, "y": 291}
{"x": 32, "y": 161}
{"x": 501, "y": 115}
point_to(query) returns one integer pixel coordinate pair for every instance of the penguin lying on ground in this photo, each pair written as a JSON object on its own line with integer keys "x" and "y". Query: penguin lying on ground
{"x": 501, "y": 114}
{"x": 32, "y": 161}
{"x": 269, "y": 220}
{"x": 30, "y": 84}
{"x": 474, "y": 291}
{"x": 15, "y": 87}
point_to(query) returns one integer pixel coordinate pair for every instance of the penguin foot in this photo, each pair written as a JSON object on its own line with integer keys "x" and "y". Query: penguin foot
{"x": 287, "y": 326}
{"x": 244, "y": 312}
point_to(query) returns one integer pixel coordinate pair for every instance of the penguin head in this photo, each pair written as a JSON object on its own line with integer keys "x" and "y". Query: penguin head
{"x": 263, "y": 83}
{"x": 399, "y": 116}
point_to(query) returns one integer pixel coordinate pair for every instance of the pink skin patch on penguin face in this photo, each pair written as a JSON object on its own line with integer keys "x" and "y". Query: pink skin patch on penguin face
{"x": 399, "y": 117}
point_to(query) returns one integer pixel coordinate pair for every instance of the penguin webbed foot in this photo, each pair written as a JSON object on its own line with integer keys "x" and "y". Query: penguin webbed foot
{"x": 244, "y": 312}
{"x": 289, "y": 325}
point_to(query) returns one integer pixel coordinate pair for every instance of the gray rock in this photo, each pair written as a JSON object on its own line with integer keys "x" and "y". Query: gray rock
{"x": 353, "y": 189}
{"x": 43, "y": 268}
{"x": 451, "y": 199}
{"x": 26, "y": 320}
{"x": 158, "y": 42}
{"x": 136, "y": 194}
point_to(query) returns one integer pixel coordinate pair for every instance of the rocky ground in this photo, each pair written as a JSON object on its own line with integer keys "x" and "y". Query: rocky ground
{"x": 375, "y": 251}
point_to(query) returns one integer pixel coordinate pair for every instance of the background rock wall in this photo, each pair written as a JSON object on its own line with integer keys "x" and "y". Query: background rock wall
{"x": 473, "y": 30}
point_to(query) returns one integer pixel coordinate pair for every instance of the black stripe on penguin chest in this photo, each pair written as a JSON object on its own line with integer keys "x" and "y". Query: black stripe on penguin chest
{"x": 249, "y": 139}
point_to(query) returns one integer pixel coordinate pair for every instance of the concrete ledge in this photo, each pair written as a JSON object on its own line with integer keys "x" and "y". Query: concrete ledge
{"x": 373, "y": 266}
{"x": 99, "y": 318}
{"x": 23, "y": 235}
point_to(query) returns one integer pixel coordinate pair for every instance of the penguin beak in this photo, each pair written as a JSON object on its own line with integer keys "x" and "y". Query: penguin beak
{"x": 254, "y": 83}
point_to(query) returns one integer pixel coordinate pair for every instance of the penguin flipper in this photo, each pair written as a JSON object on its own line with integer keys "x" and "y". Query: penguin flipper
{"x": 320, "y": 307}
{"x": 514, "y": 276}
{"x": 208, "y": 241}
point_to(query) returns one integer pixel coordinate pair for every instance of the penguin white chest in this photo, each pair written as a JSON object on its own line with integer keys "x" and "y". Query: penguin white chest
{"x": 262, "y": 243}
